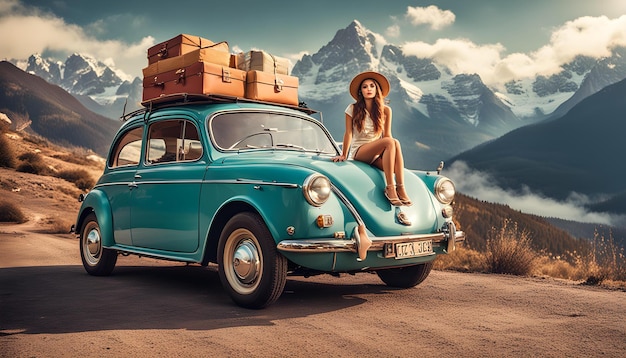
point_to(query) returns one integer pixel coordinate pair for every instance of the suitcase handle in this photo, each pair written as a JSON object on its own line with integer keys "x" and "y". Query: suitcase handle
{"x": 215, "y": 44}
{"x": 278, "y": 83}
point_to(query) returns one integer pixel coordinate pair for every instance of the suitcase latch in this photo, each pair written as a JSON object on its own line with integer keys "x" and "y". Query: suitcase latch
{"x": 278, "y": 84}
{"x": 156, "y": 83}
{"x": 181, "y": 75}
{"x": 226, "y": 75}
{"x": 163, "y": 51}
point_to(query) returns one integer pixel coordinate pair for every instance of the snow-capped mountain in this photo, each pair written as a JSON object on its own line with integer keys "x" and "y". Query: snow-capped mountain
{"x": 95, "y": 84}
{"x": 431, "y": 106}
{"x": 436, "y": 113}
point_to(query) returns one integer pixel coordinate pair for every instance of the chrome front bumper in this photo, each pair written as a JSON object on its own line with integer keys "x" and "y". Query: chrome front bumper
{"x": 447, "y": 237}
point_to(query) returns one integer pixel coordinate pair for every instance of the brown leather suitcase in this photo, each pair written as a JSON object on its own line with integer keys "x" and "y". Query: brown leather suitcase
{"x": 217, "y": 53}
{"x": 199, "y": 78}
{"x": 262, "y": 61}
{"x": 176, "y": 46}
{"x": 264, "y": 86}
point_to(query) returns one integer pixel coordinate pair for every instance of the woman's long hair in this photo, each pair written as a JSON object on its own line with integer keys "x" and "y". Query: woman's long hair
{"x": 378, "y": 107}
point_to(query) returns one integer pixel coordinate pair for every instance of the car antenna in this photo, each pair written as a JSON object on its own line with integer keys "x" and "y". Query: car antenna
{"x": 124, "y": 109}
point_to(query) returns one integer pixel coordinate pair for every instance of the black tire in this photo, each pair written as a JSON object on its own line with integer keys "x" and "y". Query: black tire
{"x": 251, "y": 269}
{"x": 405, "y": 277}
{"x": 97, "y": 260}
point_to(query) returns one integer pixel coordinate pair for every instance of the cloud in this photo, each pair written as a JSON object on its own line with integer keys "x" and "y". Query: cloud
{"x": 460, "y": 55}
{"x": 393, "y": 31}
{"x": 432, "y": 15}
{"x": 46, "y": 32}
{"x": 481, "y": 185}
{"x": 587, "y": 36}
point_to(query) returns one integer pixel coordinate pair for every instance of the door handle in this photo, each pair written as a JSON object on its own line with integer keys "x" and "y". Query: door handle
{"x": 132, "y": 185}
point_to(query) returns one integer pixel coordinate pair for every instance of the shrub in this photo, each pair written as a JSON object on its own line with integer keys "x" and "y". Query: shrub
{"x": 80, "y": 177}
{"x": 10, "y": 212}
{"x": 556, "y": 267}
{"x": 462, "y": 259}
{"x": 58, "y": 225}
{"x": 32, "y": 163}
{"x": 74, "y": 158}
{"x": 509, "y": 251}
{"x": 603, "y": 260}
{"x": 7, "y": 158}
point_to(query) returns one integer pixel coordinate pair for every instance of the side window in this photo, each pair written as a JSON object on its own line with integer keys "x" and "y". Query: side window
{"x": 173, "y": 141}
{"x": 127, "y": 150}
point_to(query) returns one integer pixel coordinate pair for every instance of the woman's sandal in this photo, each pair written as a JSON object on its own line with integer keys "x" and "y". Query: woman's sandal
{"x": 394, "y": 201}
{"x": 404, "y": 198}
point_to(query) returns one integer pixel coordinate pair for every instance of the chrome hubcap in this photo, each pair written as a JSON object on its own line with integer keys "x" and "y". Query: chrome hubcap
{"x": 246, "y": 262}
{"x": 94, "y": 246}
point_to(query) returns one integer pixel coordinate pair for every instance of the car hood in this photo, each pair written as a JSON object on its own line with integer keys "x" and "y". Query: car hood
{"x": 363, "y": 185}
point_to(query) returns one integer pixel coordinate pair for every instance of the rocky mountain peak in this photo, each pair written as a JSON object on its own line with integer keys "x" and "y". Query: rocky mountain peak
{"x": 351, "y": 51}
{"x": 48, "y": 70}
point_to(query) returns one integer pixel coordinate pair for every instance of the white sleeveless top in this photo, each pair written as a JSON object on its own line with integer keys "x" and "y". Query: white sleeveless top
{"x": 368, "y": 134}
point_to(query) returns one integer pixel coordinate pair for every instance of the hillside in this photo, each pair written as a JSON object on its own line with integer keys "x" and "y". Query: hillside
{"x": 477, "y": 218}
{"x": 575, "y": 153}
{"x": 35, "y": 106}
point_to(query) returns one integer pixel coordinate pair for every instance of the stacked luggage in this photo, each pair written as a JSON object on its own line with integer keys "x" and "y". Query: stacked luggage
{"x": 195, "y": 65}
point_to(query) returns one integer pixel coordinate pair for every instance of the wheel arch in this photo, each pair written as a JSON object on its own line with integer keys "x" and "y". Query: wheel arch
{"x": 220, "y": 219}
{"x": 97, "y": 199}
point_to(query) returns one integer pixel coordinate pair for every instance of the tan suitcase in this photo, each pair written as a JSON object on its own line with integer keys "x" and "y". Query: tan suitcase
{"x": 176, "y": 46}
{"x": 217, "y": 53}
{"x": 198, "y": 78}
{"x": 262, "y": 61}
{"x": 264, "y": 86}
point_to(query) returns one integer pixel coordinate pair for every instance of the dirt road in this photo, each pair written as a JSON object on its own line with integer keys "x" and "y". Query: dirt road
{"x": 49, "y": 307}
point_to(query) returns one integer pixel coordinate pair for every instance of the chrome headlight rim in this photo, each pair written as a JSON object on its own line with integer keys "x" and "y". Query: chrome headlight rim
{"x": 445, "y": 190}
{"x": 316, "y": 189}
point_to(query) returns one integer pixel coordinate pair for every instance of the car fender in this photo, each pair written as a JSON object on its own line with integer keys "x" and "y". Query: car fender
{"x": 97, "y": 202}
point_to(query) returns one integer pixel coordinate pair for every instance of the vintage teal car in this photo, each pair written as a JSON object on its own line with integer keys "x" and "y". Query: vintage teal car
{"x": 251, "y": 187}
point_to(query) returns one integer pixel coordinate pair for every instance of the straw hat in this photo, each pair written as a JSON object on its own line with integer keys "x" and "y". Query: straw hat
{"x": 358, "y": 79}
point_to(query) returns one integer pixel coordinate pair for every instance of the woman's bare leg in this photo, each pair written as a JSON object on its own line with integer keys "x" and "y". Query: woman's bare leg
{"x": 399, "y": 171}
{"x": 382, "y": 154}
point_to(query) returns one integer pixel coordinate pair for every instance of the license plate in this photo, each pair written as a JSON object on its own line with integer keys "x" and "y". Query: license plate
{"x": 414, "y": 249}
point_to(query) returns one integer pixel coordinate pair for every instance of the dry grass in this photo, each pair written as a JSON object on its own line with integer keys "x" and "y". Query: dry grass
{"x": 80, "y": 177}
{"x": 10, "y": 212}
{"x": 462, "y": 259}
{"x": 7, "y": 157}
{"x": 603, "y": 262}
{"x": 509, "y": 251}
{"x": 56, "y": 225}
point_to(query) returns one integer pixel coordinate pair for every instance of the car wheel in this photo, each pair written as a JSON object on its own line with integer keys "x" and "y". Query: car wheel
{"x": 251, "y": 269}
{"x": 405, "y": 277}
{"x": 97, "y": 260}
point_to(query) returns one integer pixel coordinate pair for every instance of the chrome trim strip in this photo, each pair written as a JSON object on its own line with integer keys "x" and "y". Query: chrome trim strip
{"x": 228, "y": 181}
{"x": 340, "y": 245}
{"x": 348, "y": 204}
{"x": 251, "y": 181}
{"x": 334, "y": 245}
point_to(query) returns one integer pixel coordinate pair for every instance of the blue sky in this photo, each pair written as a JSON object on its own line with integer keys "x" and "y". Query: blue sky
{"x": 495, "y": 38}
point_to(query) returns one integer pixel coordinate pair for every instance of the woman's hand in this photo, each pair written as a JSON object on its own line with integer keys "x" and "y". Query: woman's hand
{"x": 339, "y": 158}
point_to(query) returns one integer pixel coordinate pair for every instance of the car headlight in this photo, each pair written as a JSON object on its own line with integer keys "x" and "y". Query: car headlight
{"x": 445, "y": 190}
{"x": 316, "y": 189}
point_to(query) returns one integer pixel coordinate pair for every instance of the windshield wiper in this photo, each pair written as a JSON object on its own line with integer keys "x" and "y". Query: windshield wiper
{"x": 287, "y": 145}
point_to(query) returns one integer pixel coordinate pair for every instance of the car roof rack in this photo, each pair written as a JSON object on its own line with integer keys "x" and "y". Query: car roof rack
{"x": 180, "y": 99}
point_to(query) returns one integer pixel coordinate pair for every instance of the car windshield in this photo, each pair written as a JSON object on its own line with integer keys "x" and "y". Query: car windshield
{"x": 261, "y": 130}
